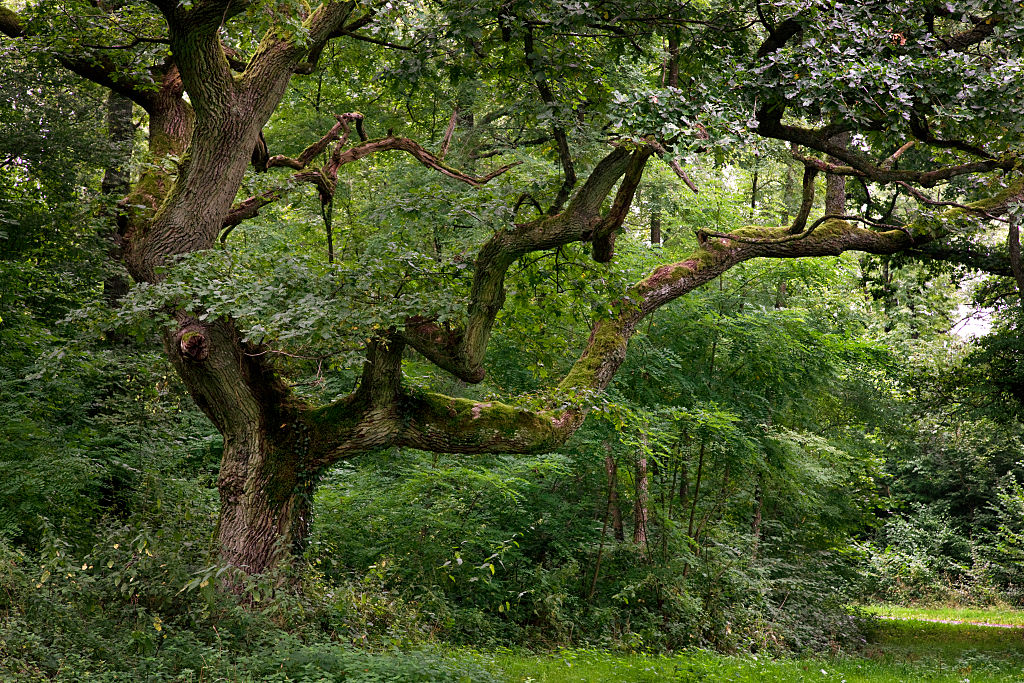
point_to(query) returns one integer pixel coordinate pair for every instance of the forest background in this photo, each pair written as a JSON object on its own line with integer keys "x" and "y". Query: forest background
{"x": 794, "y": 437}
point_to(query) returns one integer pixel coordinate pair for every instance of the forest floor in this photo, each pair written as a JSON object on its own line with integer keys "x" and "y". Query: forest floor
{"x": 908, "y": 646}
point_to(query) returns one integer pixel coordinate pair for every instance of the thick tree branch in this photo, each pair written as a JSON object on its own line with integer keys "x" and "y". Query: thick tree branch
{"x": 925, "y": 199}
{"x": 460, "y": 351}
{"x": 279, "y": 56}
{"x": 455, "y": 425}
{"x": 441, "y": 423}
{"x": 246, "y": 209}
{"x": 922, "y": 131}
{"x": 779, "y": 37}
{"x": 770, "y": 126}
{"x": 420, "y": 154}
{"x": 807, "y": 201}
{"x": 344, "y": 28}
{"x": 703, "y": 235}
{"x": 822, "y": 165}
{"x": 889, "y": 162}
{"x": 307, "y": 155}
{"x": 603, "y": 236}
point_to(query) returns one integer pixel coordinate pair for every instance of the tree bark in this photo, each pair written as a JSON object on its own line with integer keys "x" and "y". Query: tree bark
{"x": 790, "y": 198}
{"x": 613, "y": 497}
{"x": 1013, "y": 247}
{"x": 835, "y": 194}
{"x": 641, "y": 512}
{"x": 835, "y": 184}
{"x": 266, "y": 503}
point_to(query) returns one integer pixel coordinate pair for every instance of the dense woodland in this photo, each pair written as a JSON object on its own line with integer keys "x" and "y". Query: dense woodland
{"x": 331, "y": 332}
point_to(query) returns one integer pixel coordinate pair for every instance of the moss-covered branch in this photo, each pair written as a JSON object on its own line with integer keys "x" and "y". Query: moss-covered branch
{"x": 606, "y": 348}
{"x": 382, "y": 414}
{"x": 456, "y": 425}
{"x": 461, "y": 351}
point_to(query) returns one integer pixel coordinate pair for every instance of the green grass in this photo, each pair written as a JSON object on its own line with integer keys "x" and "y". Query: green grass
{"x": 898, "y": 652}
{"x": 988, "y": 615}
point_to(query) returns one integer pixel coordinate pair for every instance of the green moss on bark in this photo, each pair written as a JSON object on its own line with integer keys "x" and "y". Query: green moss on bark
{"x": 608, "y": 341}
{"x": 481, "y": 423}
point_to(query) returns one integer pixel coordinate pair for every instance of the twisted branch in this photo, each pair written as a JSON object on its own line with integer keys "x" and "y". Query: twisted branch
{"x": 325, "y": 179}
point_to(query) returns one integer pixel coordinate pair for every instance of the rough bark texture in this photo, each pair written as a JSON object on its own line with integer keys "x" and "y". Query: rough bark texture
{"x": 1013, "y": 247}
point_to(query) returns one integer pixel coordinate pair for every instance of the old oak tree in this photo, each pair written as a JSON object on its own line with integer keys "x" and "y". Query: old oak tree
{"x": 917, "y": 101}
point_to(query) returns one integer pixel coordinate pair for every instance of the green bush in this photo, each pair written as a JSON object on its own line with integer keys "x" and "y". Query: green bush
{"x": 921, "y": 556}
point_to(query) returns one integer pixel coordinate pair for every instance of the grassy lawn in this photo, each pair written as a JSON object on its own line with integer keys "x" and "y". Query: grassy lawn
{"x": 989, "y": 615}
{"x": 898, "y": 652}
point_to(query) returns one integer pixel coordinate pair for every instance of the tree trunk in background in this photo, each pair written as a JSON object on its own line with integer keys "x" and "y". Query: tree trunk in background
{"x": 640, "y": 506}
{"x": 835, "y": 194}
{"x": 753, "y": 184}
{"x": 655, "y": 227}
{"x": 835, "y": 185}
{"x": 613, "y": 497}
{"x": 1013, "y": 247}
{"x": 684, "y": 484}
{"x": 790, "y": 197}
{"x": 780, "y": 295}
{"x": 755, "y": 523}
{"x": 117, "y": 182}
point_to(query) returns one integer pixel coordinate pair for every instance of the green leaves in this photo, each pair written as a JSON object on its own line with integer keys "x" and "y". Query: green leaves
{"x": 295, "y": 302}
{"x": 879, "y": 64}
